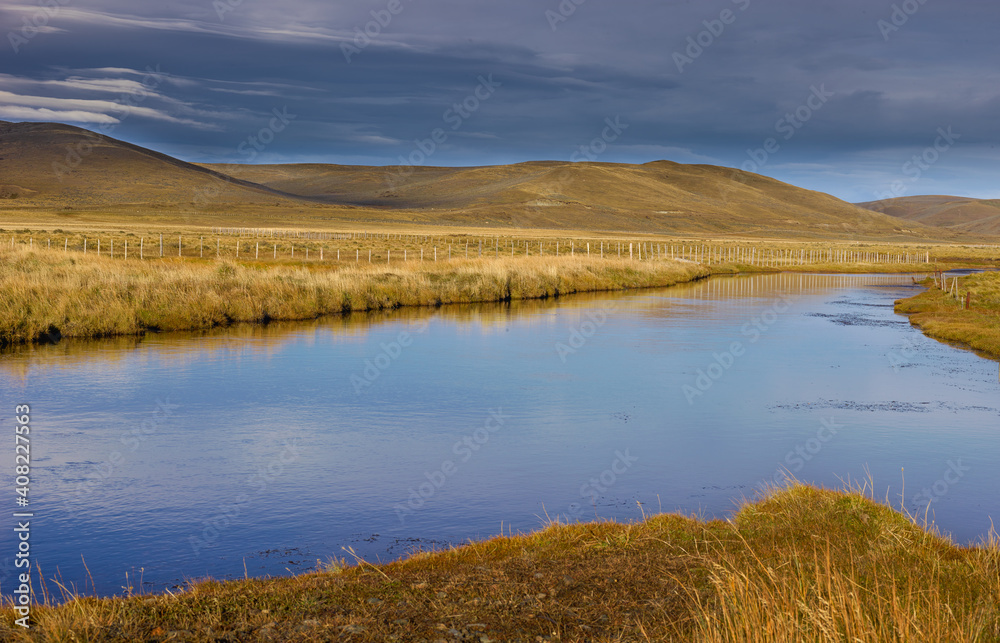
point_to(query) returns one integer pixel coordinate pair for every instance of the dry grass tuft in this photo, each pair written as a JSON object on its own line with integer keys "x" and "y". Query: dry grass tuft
{"x": 802, "y": 564}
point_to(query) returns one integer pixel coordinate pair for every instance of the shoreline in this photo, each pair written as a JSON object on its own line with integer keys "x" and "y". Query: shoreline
{"x": 943, "y": 316}
{"x": 796, "y": 562}
{"x": 47, "y": 296}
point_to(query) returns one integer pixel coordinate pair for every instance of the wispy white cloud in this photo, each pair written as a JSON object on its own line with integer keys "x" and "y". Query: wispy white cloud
{"x": 290, "y": 32}
{"x": 106, "y": 85}
{"x": 375, "y": 139}
{"x": 22, "y": 113}
{"x": 111, "y": 109}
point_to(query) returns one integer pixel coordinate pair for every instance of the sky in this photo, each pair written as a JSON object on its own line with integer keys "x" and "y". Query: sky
{"x": 863, "y": 99}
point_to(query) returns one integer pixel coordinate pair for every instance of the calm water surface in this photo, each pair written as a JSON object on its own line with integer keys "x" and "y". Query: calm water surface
{"x": 267, "y": 449}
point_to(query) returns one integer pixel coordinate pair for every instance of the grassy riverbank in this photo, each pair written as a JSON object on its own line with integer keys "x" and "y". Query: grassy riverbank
{"x": 943, "y": 315}
{"x": 50, "y": 293}
{"x": 802, "y": 564}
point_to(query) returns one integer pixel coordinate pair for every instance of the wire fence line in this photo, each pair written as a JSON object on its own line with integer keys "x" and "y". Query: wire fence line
{"x": 265, "y": 244}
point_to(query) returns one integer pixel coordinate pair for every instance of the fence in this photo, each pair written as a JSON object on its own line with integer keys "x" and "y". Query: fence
{"x": 265, "y": 244}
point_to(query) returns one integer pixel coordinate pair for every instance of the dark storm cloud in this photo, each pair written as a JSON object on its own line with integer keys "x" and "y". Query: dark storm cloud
{"x": 693, "y": 81}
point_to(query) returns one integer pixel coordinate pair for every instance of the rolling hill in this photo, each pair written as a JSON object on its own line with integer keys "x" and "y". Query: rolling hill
{"x": 661, "y": 196}
{"x": 49, "y": 166}
{"x": 57, "y": 165}
{"x": 974, "y": 216}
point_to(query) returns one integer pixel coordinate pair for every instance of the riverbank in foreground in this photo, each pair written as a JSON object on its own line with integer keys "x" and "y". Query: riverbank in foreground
{"x": 941, "y": 311}
{"x": 47, "y": 294}
{"x": 799, "y": 564}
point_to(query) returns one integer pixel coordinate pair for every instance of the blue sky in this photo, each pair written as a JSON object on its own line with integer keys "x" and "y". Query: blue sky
{"x": 859, "y": 98}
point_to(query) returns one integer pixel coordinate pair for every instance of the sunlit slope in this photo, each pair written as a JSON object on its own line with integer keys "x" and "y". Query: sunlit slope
{"x": 65, "y": 166}
{"x": 962, "y": 214}
{"x": 662, "y": 196}
{"x": 59, "y": 167}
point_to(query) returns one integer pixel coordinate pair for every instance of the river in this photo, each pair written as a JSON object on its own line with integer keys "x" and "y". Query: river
{"x": 262, "y": 450}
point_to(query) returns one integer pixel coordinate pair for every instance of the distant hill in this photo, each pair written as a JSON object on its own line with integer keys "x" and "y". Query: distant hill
{"x": 55, "y": 166}
{"x": 660, "y": 196}
{"x": 956, "y": 213}
{"x": 61, "y": 165}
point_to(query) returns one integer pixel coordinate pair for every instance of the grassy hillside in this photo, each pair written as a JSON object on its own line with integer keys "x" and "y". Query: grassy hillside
{"x": 951, "y": 212}
{"x": 662, "y": 196}
{"x": 50, "y": 169}
{"x": 802, "y": 564}
{"x": 54, "y": 165}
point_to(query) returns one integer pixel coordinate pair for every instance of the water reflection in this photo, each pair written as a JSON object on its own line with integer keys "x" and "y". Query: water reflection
{"x": 193, "y": 454}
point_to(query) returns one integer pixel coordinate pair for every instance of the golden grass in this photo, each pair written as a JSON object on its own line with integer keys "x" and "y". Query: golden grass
{"x": 943, "y": 315}
{"x": 51, "y": 293}
{"x": 802, "y": 564}
{"x": 223, "y": 279}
